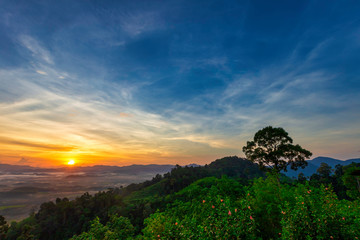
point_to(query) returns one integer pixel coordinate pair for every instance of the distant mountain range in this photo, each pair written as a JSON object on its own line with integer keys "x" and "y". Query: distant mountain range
{"x": 132, "y": 169}
{"x": 135, "y": 169}
{"x": 315, "y": 163}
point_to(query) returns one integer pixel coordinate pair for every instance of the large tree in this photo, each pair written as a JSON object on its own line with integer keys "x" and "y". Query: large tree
{"x": 273, "y": 150}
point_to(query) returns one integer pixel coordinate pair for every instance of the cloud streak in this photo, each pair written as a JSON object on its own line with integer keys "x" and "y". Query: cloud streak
{"x": 41, "y": 146}
{"x": 36, "y": 49}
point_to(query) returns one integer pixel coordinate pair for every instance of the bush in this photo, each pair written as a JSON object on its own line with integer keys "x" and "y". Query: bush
{"x": 213, "y": 217}
{"x": 116, "y": 228}
{"x": 318, "y": 214}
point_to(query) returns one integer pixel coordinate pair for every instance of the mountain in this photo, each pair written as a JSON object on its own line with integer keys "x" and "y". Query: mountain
{"x": 355, "y": 160}
{"x": 128, "y": 170}
{"x": 332, "y": 162}
{"x": 16, "y": 168}
{"x": 132, "y": 169}
{"x": 315, "y": 163}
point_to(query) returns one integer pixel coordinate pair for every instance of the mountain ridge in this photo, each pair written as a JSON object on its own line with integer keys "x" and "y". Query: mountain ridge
{"x": 103, "y": 168}
{"x": 315, "y": 163}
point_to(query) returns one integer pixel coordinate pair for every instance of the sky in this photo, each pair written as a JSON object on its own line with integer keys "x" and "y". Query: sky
{"x": 175, "y": 82}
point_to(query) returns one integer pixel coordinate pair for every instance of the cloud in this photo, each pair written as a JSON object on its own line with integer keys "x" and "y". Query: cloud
{"x": 137, "y": 23}
{"x": 38, "y": 52}
{"x": 37, "y": 145}
{"x": 41, "y": 72}
{"x": 122, "y": 114}
{"x": 132, "y": 83}
{"x": 89, "y": 122}
{"x": 102, "y": 117}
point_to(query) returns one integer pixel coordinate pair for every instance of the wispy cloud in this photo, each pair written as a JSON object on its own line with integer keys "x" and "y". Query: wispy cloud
{"x": 41, "y": 72}
{"x": 37, "y": 145}
{"x": 88, "y": 122}
{"x": 37, "y": 51}
{"x": 137, "y": 23}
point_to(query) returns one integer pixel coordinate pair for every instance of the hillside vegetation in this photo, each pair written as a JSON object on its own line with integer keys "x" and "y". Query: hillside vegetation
{"x": 227, "y": 199}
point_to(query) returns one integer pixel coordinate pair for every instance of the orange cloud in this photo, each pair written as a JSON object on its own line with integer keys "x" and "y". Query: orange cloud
{"x": 37, "y": 145}
{"x": 122, "y": 114}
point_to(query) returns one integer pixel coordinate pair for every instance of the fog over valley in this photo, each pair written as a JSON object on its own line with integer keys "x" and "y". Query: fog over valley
{"x": 22, "y": 192}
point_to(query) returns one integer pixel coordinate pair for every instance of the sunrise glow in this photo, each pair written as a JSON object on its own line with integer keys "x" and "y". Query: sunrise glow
{"x": 140, "y": 83}
{"x": 71, "y": 162}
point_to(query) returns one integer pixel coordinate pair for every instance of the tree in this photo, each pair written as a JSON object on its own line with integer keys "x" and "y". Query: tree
{"x": 117, "y": 228}
{"x": 273, "y": 150}
{"x": 351, "y": 180}
{"x": 324, "y": 170}
{"x": 301, "y": 178}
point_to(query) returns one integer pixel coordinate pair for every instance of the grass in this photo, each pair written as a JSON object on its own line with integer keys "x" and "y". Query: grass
{"x": 11, "y": 206}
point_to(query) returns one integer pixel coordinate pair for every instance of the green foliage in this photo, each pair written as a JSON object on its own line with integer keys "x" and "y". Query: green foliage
{"x": 351, "y": 180}
{"x": 273, "y": 150}
{"x": 318, "y": 214}
{"x": 146, "y": 200}
{"x": 235, "y": 167}
{"x": 210, "y": 207}
{"x": 181, "y": 177}
{"x": 217, "y": 186}
{"x": 324, "y": 170}
{"x": 201, "y": 213}
{"x": 116, "y": 228}
{"x": 26, "y": 229}
{"x": 213, "y": 217}
{"x": 147, "y": 193}
{"x": 301, "y": 178}
{"x": 63, "y": 218}
{"x": 345, "y": 182}
{"x": 285, "y": 212}
{"x": 266, "y": 198}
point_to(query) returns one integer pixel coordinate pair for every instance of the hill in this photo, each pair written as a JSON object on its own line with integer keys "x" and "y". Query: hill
{"x": 64, "y": 218}
{"x": 220, "y": 200}
{"x": 315, "y": 163}
{"x": 181, "y": 177}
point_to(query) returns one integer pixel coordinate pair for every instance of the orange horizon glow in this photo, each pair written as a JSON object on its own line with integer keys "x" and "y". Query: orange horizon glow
{"x": 124, "y": 140}
{"x": 132, "y": 93}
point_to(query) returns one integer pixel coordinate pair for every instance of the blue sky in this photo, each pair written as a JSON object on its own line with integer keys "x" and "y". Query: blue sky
{"x": 122, "y": 82}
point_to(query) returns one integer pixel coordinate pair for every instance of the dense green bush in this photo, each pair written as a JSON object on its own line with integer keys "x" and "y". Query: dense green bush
{"x": 264, "y": 210}
{"x": 117, "y": 228}
{"x": 318, "y": 214}
{"x": 211, "y": 218}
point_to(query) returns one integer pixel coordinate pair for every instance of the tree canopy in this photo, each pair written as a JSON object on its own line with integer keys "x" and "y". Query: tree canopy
{"x": 273, "y": 150}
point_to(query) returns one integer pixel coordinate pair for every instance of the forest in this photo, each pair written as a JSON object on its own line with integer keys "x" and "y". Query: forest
{"x": 230, "y": 198}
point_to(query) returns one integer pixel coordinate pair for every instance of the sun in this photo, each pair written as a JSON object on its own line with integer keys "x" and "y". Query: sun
{"x": 71, "y": 162}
